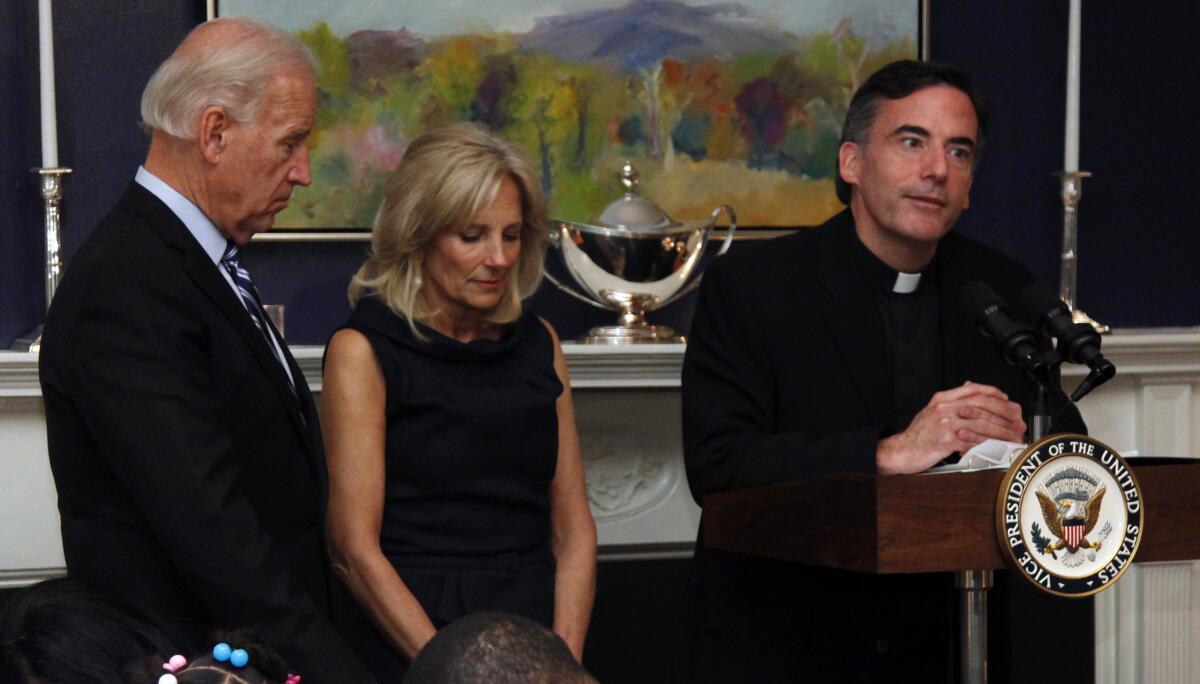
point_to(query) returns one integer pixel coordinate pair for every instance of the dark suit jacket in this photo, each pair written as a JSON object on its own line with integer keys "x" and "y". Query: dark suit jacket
{"x": 191, "y": 479}
{"x": 786, "y": 377}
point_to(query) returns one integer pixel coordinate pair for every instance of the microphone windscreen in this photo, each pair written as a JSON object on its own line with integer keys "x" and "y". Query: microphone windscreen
{"x": 977, "y": 299}
{"x": 1037, "y": 303}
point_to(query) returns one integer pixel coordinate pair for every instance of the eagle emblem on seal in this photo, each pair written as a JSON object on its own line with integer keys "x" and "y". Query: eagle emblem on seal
{"x": 1070, "y": 501}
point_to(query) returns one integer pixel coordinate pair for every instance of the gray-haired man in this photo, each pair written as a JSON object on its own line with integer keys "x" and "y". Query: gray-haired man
{"x": 183, "y": 439}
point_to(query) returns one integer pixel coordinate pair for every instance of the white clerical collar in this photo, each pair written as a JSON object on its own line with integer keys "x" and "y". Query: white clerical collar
{"x": 211, "y": 240}
{"x": 906, "y": 283}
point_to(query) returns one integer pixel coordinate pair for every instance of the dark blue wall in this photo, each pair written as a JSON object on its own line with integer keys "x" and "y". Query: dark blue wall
{"x": 21, "y": 292}
{"x": 1136, "y": 225}
{"x": 104, "y": 54}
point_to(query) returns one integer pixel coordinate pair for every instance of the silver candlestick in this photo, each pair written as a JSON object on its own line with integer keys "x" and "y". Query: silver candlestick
{"x": 1072, "y": 192}
{"x": 52, "y": 193}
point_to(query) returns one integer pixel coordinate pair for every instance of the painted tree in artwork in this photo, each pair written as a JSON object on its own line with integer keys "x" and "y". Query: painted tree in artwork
{"x": 453, "y": 72}
{"x": 836, "y": 62}
{"x": 554, "y": 110}
{"x": 646, "y": 89}
{"x": 763, "y": 110}
{"x": 703, "y": 122}
{"x": 816, "y": 110}
{"x": 333, "y": 73}
{"x": 681, "y": 106}
{"x": 544, "y": 103}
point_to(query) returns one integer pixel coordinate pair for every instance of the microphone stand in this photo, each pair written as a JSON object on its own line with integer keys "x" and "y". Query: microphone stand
{"x": 1041, "y": 371}
{"x": 973, "y": 585}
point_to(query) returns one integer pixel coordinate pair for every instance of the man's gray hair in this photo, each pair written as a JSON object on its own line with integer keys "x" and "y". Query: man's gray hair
{"x": 233, "y": 76}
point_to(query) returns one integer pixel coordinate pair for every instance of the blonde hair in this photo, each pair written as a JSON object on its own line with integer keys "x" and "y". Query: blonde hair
{"x": 232, "y": 74}
{"x": 447, "y": 176}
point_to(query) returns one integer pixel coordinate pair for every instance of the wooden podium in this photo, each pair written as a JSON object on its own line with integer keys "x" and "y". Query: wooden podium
{"x": 927, "y": 523}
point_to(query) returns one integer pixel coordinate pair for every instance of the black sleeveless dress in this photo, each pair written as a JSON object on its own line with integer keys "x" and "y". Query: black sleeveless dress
{"x": 471, "y": 448}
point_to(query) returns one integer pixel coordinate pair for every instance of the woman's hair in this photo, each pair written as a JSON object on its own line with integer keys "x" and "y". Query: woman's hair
{"x": 65, "y": 631}
{"x": 446, "y": 177}
{"x": 264, "y": 665}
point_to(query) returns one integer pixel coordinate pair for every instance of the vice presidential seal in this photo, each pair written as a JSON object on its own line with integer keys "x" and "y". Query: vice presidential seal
{"x": 1069, "y": 515}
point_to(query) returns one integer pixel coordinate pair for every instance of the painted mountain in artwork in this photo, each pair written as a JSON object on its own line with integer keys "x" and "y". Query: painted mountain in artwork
{"x": 643, "y": 33}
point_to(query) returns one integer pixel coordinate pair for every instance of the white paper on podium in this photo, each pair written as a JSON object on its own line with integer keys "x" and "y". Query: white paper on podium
{"x": 992, "y": 454}
{"x": 986, "y": 455}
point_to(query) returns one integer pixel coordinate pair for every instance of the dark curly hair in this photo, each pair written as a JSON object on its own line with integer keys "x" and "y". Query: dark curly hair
{"x": 497, "y": 648}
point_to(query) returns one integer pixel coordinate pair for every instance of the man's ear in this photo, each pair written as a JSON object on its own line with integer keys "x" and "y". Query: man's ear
{"x": 214, "y": 129}
{"x": 849, "y": 157}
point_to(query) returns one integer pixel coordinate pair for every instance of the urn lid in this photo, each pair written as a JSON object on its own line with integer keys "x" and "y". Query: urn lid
{"x": 632, "y": 212}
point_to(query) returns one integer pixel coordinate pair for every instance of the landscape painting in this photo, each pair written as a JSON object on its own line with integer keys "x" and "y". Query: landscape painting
{"x": 734, "y": 103}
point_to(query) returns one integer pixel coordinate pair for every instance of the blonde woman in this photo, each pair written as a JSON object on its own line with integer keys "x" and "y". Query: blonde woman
{"x": 456, "y": 484}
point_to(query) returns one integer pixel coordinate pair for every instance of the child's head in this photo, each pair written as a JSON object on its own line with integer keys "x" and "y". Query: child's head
{"x": 238, "y": 657}
{"x": 66, "y": 631}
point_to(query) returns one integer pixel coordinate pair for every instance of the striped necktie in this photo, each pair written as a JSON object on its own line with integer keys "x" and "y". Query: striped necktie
{"x": 249, "y": 296}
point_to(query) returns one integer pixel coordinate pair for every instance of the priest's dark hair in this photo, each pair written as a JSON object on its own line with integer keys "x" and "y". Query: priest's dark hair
{"x": 896, "y": 81}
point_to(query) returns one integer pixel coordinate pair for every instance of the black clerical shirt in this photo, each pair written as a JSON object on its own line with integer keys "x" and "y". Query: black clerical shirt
{"x": 911, "y": 324}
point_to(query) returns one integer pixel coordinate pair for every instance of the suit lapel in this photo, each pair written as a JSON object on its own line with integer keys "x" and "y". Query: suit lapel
{"x": 852, "y": 316}
{"x": 201, "y": 270}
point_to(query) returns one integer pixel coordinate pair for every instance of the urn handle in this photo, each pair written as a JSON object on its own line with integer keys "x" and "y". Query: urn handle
{"x": 732, "y": 225}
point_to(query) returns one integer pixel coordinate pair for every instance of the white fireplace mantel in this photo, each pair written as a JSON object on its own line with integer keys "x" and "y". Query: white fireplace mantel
{"x": 1152, "y": 352}
{"x": 1142, "y": 352}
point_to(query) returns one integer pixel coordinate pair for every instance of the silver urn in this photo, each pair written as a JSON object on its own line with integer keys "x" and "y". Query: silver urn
{"x": 633, "y": 260}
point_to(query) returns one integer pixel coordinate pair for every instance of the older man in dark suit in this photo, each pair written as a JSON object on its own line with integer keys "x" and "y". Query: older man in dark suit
{"x": 183, "y": 438}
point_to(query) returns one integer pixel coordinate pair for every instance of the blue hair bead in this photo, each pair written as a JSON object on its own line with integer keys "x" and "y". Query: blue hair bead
{"x": 221, "y": 652}
{"x": 239, "y": 657}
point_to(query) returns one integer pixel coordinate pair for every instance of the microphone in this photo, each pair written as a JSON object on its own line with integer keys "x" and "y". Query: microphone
{"x": 1015, "y": 340}
{"x": 1018, "y": 345}
{"x": 1077, "y": 342}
